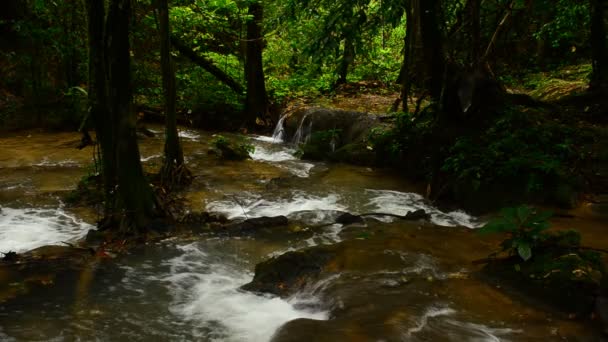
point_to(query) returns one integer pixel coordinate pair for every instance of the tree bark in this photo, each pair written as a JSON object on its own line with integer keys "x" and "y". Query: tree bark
{"x": 174, "y": 158}
{"x": 348, "y": 56}
{"x": 476, "y": 31}
{"x": 409, "y": 42}
{"x": 432, "y": 47}
{"x": 256, "y": 104}
{"x": 599, "y": 58}
{"x": 98, "y": 98}
{"x": 110, "y": 93}
{"x": 136, "y": 197}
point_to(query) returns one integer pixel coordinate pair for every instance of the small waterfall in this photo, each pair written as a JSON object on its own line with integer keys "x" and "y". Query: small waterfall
{"x": 303, "y": 133}
{"x": 279, "y": 131}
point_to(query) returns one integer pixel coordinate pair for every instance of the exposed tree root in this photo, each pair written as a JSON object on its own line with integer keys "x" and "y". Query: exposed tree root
{"x": 174, "y": 176}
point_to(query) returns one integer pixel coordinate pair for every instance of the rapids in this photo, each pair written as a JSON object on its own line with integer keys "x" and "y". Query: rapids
{"x": 405, "y": 281}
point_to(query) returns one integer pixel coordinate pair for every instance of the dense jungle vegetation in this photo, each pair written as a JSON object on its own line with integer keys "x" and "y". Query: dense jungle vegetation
{"x": 486, "y": 104}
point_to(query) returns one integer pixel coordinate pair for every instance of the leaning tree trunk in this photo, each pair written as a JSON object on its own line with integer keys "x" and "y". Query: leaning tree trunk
{"x": 599, "y": 58}
{"x": 173, "y": 171}
{"x": 256, "y": 104}
{"x": 136, "y": 197}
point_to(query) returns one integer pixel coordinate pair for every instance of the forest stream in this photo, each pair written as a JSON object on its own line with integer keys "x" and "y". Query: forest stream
{"x": 396, "y": 280}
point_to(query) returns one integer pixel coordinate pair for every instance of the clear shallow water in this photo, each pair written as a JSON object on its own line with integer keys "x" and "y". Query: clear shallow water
{"x": 401, "y": 281}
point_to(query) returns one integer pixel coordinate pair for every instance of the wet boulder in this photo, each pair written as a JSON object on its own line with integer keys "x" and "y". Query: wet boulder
{"x": 348, "y": 218}
{"x": 253, "y": 225}
{"x": 351, "y": 125}
{"x": 290, "y": 272}
{"x": 419, "y": 214}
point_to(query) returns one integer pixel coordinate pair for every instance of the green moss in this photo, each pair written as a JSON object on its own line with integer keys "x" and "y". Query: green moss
{"x": 225, "y": 148}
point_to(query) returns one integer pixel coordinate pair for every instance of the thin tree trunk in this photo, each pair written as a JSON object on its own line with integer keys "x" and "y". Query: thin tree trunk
{"x": 348, "y": 56}
{"x": 409, "y": 41}
{"x": 256, "y": 104}
{"x": 174, "y": 158}
{"x": 599, "y": 58}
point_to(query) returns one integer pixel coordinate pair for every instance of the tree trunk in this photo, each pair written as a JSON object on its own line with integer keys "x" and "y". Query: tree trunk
{"x": 476, "y": 31}
{"x": 174, "y": 158}
{"x": 599, "y": 58}
{"x": 98, "y": 98}
{"x": 348, "y": 56}
{"x": 256, "y": 104}
{"x": 110, "y": 95}
{"x": 432, "y": 47}
{"x": 136, "y": 197}
{"x": 408, "y": 52}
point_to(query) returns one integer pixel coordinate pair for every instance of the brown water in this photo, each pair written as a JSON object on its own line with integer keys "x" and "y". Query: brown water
{"x": 394, "y": 281}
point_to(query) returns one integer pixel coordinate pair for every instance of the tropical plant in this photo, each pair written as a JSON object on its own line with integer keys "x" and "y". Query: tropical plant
{"x": 525, "y": 226}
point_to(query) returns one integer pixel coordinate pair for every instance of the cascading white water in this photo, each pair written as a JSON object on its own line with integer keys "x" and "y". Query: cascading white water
{"x": 279, "y": 131}
{"x": 208, "y": 292}
{"x": 302, "y": 134}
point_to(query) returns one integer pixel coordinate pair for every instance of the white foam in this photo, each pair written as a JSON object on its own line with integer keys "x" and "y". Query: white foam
{"x": 300, "y": 169}
{"x": 189, "y": 134}
{"x": 430, "y": 313}
{"x": 209, "y": 293}
{"x": 47, "y": 162}
{"x": 264, "y": 154}
{"x": 482, "y": 333}
{"x": 399, "y": 203}
{"x": 25, "y": 229}
{"x": 267, "y": 139}
{"x": 154, "y": 156}
{"x": 254, "y": 206}
{"x": 283, "y": 158}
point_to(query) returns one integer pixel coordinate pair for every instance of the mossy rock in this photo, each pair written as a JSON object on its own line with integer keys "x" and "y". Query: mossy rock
{"x": 231, "y": 150}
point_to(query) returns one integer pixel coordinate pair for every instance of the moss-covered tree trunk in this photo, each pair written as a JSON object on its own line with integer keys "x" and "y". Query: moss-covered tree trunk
{"x": 256, "y": 103}
{"x": 173, "y": 171}
{"x": 599, "y": 58}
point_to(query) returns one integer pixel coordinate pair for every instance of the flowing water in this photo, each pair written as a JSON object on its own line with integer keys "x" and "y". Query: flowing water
{"x": 398, "y": 281}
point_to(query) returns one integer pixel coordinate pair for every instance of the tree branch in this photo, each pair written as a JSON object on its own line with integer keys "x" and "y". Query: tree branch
{"x": 207, "y": 65}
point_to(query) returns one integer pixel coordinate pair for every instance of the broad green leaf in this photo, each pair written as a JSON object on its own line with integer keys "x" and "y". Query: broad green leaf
{"x": 524, "y": 250}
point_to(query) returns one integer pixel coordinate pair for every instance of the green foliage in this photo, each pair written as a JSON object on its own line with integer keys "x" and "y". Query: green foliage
{"x": 231, "y": 150}
{"x": 526, "y": 228}
{"x": 567, "y": 22}
{"x": 520, "y": 148}
{"x": 554, "y": 261}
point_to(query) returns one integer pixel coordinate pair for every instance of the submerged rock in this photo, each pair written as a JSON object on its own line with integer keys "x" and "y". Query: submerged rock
{"x": 253, "y": 225}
